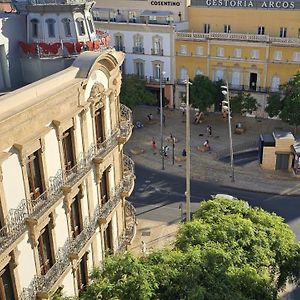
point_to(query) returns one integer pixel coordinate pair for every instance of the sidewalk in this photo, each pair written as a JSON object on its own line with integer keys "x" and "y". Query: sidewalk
{"x": 206, "y": 166}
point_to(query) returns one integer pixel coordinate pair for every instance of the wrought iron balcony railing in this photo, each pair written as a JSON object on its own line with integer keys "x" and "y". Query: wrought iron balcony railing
{"x": 125, "y": 122}
{"x": 155, "y": 51}
{"x": 138, "y": 50}
{"x": 128, "y": 175}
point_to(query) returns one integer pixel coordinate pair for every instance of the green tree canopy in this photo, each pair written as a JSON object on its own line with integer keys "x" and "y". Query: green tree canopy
{"x": 202, "y": 92}
{"x": 243, "y": 103}
{"x": 134, "y": 92}
{"x": 286, "y": 104}
{"x": 228, "y": 251}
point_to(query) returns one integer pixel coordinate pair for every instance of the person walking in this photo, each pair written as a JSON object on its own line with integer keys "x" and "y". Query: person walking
{"x": 153, "y": 145}
{"x": 209, "y": 130}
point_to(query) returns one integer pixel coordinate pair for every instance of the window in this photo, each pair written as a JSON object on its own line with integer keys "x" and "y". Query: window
{"x": 34, "y": 174}
{"x": 132, "y": 16}
{"x": 80, "y": 26}
{"x": 183, "y": 74}
{"x": 6, "y": 284}
{"x": 237, "y": 53}
{"x": 34, "y": 28}
{"x": 44, "y": 250}
{"x": 219, "y": 73}
{"x": 199, "y": 51}
{"x": 107, "y": 236}
{"x": 183, "y": 50}
{"x": 206, "y": 28}
{"x": 91, "y": 25}
{"x": 152, "y": 19}
{"x": 275, "y": 83}
{"x": 283, "y": 32}
{"x": 220, "y": 52}
{"x": 139, "y": 67}
{"x": 156, "y": 71}
{"x": 199, "y": 72}
{"x": 51, "y": 28}
{"x": 119, "y": 45}
{"x": 296, "y": 56}
{"x": 277, "y": 55}
{"x": 75, "y": 216}
{"x": 67, "y": 28}
{"x": 68, "y": 149}
{"x": 104, "y": 188}
{"x": 227, "y": 28}
{"x": 138, "y": 44}
{"x": 298, "y": 33}
{"x": 82, "y": 274}
{"x": 235, "y": 79}
{"x": 99, "y": 126}
{"x": 254, "y": 54}
{"x": 157, "y": 47}
{"x": 261, "y": 30}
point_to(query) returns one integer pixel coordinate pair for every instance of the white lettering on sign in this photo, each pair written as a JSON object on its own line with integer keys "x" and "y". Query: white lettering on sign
{"x": 249, "y": 3}
{"x": 165, "y": 3}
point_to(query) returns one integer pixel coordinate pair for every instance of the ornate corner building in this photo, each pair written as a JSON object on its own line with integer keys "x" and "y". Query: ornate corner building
{"x": 64, "y": 178}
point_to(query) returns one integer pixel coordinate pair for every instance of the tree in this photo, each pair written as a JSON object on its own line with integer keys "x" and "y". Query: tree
{"x": 243, "y": 103}
{"x": 202, "y": 92}
{"x": 133, "y": 92}
{"x": 287, "y": 107}
{"x": 228, "y": 251}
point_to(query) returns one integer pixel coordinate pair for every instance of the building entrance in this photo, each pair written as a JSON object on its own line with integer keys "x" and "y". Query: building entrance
{"x": 253, "y": 81}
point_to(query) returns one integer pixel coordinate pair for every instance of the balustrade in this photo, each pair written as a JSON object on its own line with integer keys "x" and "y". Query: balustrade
{"x": 125, "y": 123}
{"x": 128, "y": 175}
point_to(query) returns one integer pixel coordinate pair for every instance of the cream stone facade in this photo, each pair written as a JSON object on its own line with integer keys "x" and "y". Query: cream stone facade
{"x": 64, "y": 178}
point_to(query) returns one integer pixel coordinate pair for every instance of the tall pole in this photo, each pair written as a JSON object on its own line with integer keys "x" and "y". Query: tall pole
{"x": 230, "y": 135}
{"x": 188, "y": 154}
{"x": 161, "y": 120}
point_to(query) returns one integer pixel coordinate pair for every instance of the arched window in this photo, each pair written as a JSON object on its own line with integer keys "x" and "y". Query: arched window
{"x": 198, "y": 72}
{"x": 34, "y": 28}
{"x": 91, "y": 25}
{"x": 67, "y": 27}
{"x": 219, "y": 74}
{"x": 275, "y": 83}
{"x": 51, "y": 28}
{"x": 183, "y": 73}
{"x": 80, "y": 26}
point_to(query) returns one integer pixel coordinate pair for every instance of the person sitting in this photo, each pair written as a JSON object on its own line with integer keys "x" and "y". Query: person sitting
{"x": 183, "y": 153}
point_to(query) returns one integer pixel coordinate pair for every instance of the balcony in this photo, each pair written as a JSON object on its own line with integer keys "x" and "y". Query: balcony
{"x": 138, "y": 50}
{"x": 199, "y": 36}
{"x": 120, "y": 48}
{"x": 128, "y": 176}
{"x": 130, "y": 229}
{"x": 125, "y": 124}
{"x": 156, "y": 80}
{"x": 157, "y": 51}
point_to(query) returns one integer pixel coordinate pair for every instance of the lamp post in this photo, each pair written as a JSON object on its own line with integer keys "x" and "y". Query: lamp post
{"x": 226, "y": 105}
{"x": 161, "y": 119}
{"x": 188, "y": 153}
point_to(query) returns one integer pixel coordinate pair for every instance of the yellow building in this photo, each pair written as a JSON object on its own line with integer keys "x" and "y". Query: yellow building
{"x": 254, "y": 45}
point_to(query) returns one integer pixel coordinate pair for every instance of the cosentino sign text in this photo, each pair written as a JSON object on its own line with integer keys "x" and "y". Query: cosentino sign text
{"x": 248, "y": 4}
{"x": 165, "y": 3}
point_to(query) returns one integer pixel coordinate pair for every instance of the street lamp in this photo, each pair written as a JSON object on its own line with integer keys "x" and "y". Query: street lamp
{"x": 188, "y": 152}
{"x": 226, "y": 106}
{"x": 161, "y": 73}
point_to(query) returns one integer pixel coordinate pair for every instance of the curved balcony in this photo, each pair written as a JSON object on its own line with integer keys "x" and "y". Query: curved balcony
{"x": 125, "y": 124}
{"x": 128, "y": 176}
{"x": 130, "y": 230}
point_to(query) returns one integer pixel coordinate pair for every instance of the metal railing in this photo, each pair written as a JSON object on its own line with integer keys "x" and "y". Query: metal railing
{"x": 157, "y": 51}
{"x": 138, "y": 50}
{"x": 128, "y": 174}
{"x": 237, "y": 36}
{"x": 126, "y": 124}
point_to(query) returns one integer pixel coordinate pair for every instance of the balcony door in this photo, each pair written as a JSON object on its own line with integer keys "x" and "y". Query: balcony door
{"x": 99, "y": 126}
{"x": 6, "y": 284}
{"x": 34, "y": 175}
{"x": 253, "y": 81}
{"x": 104, "y": 187}
{"x": 82, "y": 274}
{"x": 107, "y": 236}
{"x": 68, "y": 149}
{"x": 76, "y": 217}
{"x": 45, "y": 252}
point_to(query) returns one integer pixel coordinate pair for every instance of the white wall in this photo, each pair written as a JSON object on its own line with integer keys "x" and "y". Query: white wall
{"x": 52, "y": 153}
{"x": 26, "y": 265}
{"x": 114, "y": 230}
{"x": 94, "y": 189}
{"x": 78, "y": 135}
{"x": 13, "y": 181}
{"x": 13, "y": 30}
{"x": 61, "y": 228}
{"x": 68, "y": 285}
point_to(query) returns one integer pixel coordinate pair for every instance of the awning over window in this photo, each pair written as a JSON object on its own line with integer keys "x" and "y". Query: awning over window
{"x": 154, "y": 13}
